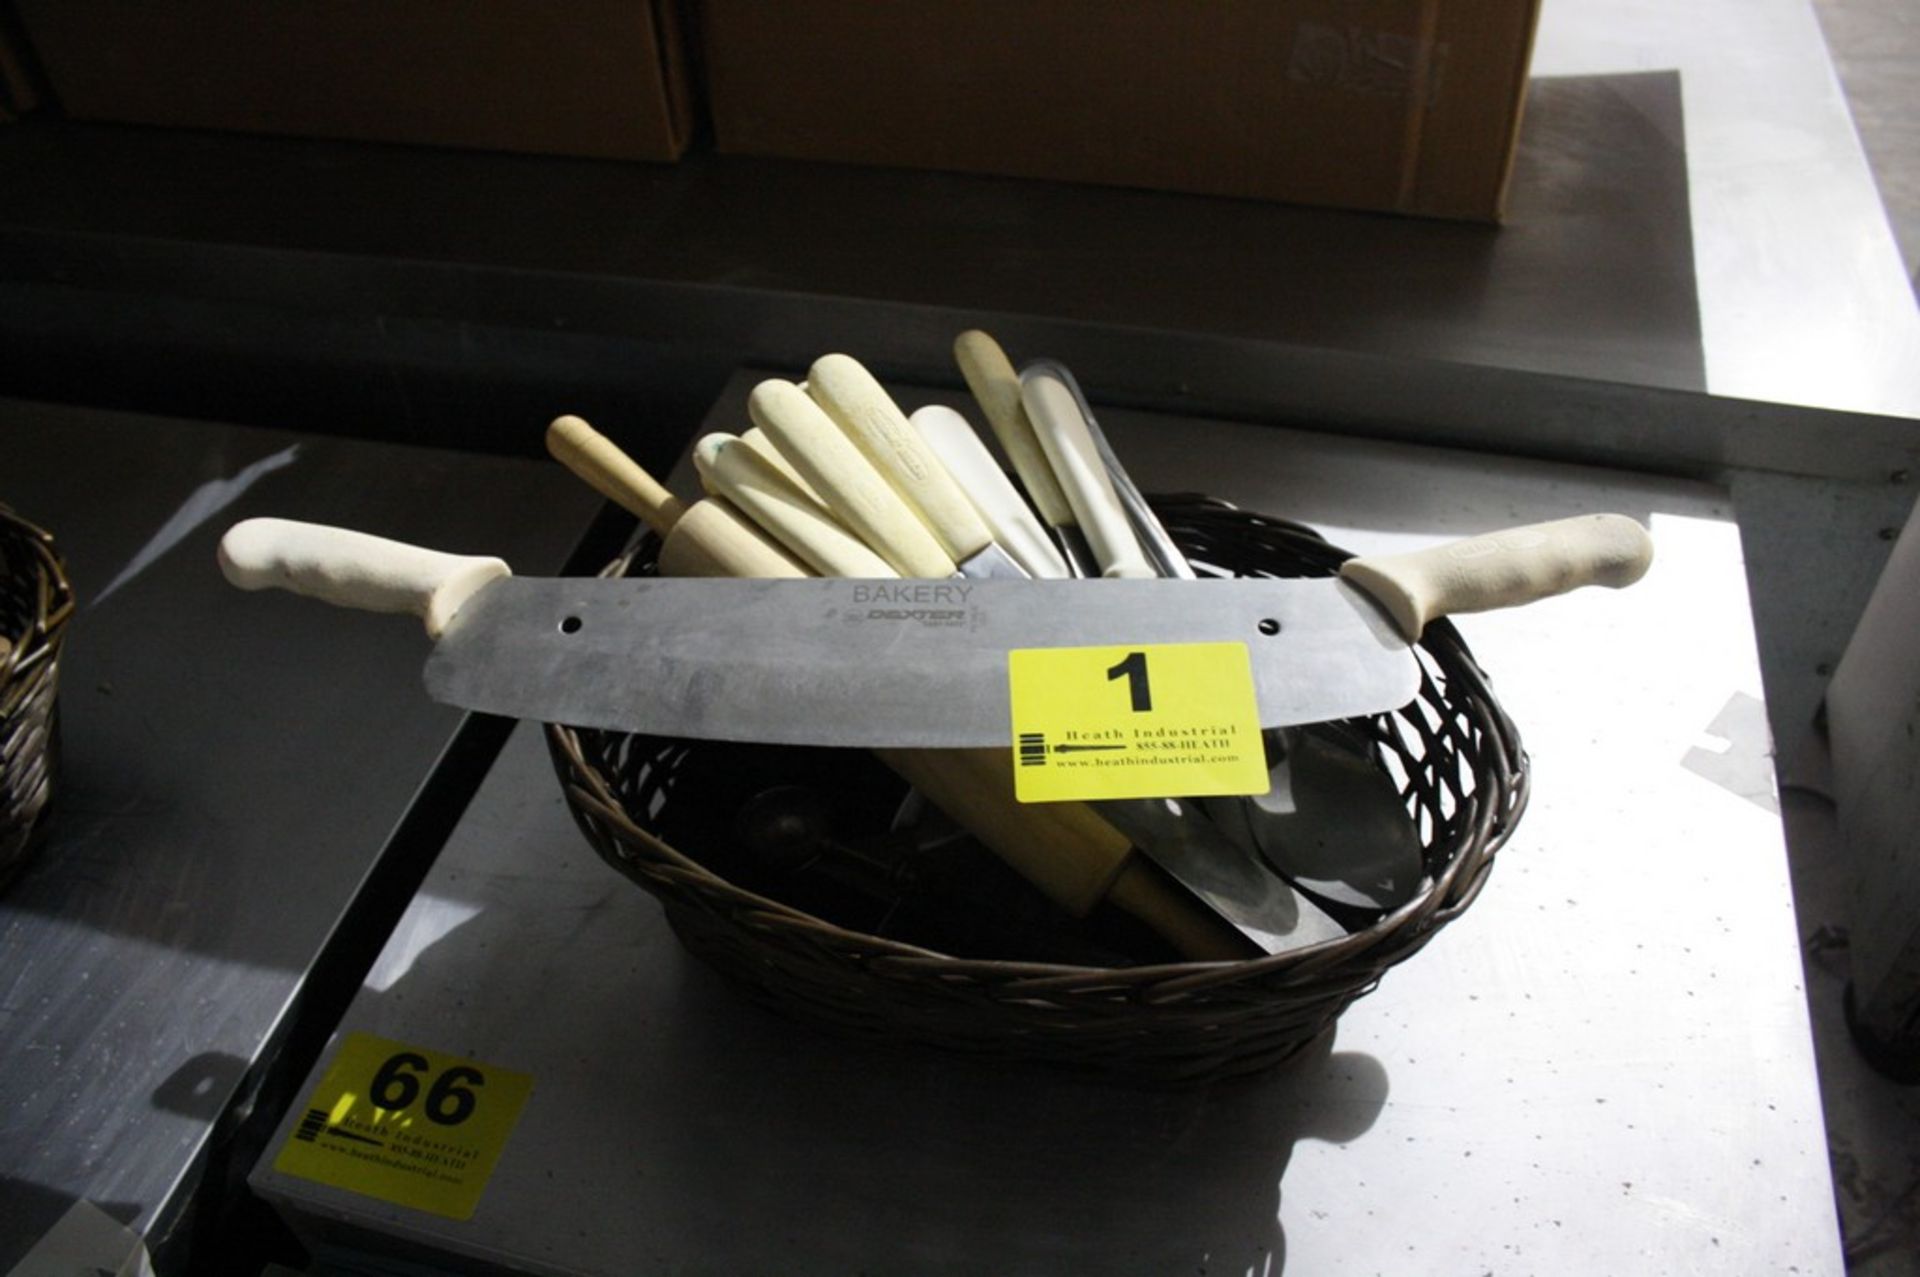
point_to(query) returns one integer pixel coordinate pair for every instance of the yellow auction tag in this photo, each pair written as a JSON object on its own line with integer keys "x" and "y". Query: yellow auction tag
{"x": 1160, "y": 721}
{"x": 406, "y": 1125}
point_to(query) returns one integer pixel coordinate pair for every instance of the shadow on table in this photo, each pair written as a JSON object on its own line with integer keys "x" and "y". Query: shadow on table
{"x": 29, "y": 1211}
{"x": 860, "y": 1155}
{"x": 675, "y": 1125}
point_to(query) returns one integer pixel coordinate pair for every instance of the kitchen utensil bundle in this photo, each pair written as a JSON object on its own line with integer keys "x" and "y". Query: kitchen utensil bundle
{"x": 1070, "y": 854}
{"x": 36, "y": 602}
{"x": 1395, "y": 775}
{"x": 1456, "y": 755}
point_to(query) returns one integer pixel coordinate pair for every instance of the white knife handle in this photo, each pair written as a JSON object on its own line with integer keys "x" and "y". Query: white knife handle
{"x": 863, "y": 409}
{"x": 1082, "y": 473}
{"x": 966, "y": 458}
{"x": 731, "y": 468}
{"x": 1503, "y": 569}
{"x": 996, "y": 388}
{"x": 841, "y": 474}
{"x": 756, "y": 438}
{"x": 612, "y": 473}
{"x": 353, "y": 569}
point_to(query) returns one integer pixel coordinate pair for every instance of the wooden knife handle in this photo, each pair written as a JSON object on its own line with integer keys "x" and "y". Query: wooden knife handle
{"x": 995, "y": 385}
{"x": 867, "y": 414}
{"x": 708, "y": 539}
{"x": 1082, "y": 473}
{"x": 1065, "y": 849}
{"x": 354, "y": 569}
{"x": 1503, "y": 569}
{"x": 612, "y": 473}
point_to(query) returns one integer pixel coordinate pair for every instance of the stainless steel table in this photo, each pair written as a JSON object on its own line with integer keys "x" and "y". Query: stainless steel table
{"x": 1603, "y": 1067}
{"x": 1803, "y": 298}
{"x": 234, "y": 766}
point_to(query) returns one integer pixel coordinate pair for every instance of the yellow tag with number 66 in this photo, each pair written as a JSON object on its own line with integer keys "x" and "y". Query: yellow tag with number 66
{"x": 407, "y": 1125}
{"x": 1155, "y": 721}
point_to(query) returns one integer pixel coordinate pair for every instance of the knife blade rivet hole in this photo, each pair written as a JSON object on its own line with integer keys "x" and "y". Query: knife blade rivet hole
{"x": 571, "y": 625}
{"x": 1269, "y": 627}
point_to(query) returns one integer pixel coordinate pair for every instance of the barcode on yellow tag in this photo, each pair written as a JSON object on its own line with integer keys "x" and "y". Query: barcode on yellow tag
{"x": 407, "y": 1125}
{"x": 1160, "y": 721}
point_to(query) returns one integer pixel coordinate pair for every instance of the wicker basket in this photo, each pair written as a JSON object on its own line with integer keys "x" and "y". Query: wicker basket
{"x": 1454, "y": 754}
{"x": 36, "y": 601}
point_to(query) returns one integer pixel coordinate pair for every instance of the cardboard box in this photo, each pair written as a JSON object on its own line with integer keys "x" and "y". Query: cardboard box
{"x": 600, "y": 78}
{"x": 1409, "y": 106}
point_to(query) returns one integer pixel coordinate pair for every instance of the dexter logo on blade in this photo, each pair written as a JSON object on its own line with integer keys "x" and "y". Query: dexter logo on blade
{"x": 927, "y": 603}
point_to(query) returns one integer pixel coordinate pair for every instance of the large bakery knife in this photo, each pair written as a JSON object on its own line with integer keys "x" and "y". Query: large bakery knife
{"x": 904, "y": 663}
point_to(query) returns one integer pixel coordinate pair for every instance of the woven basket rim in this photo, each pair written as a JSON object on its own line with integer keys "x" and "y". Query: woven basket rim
{"x": 55, "y": 595}
{"x": 1042, "y": 975}
{"x": 1168, "y": 979}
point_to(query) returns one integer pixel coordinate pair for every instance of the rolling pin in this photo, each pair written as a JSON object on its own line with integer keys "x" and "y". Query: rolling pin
{"x": 710, "y": 538}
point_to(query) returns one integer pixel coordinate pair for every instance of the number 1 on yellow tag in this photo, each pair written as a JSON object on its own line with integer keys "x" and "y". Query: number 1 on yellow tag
{"x": 1154, "y": 721}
